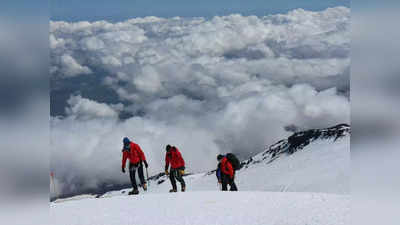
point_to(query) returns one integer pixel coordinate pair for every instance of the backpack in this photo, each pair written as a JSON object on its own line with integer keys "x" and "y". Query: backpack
{"x": 233, "y": 160}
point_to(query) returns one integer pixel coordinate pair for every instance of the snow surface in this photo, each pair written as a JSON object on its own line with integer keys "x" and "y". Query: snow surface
{"x": 319, "y": 174}
{"x": 213, "y": 207}
{"x": 77, "y": 197}
{"x": 322, "y": 166}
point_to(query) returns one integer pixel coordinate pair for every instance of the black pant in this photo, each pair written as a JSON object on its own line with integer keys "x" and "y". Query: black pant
{"x": 226, "y": 179}
{"x": 132, "y": 170}
{"x": 174, "y": 174}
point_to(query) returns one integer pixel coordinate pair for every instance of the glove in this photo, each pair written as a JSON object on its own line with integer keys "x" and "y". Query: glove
{"x": 182, "y": 172}
{"x": 145, "y": 164}
{"x": 219, "y": 181}
{"x": 123, "y": 169}
{"x": 166, "y": 172}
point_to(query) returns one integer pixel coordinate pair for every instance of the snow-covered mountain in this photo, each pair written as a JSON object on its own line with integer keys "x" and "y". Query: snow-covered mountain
{"x": 316, "y": 160}
{"x": 298, "y": 141}
{"x": 314, "y": 163}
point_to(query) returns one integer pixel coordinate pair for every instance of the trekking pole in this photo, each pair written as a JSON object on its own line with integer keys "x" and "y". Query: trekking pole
{"x": 147, "y": 174}
{"x": 54, "y": 185}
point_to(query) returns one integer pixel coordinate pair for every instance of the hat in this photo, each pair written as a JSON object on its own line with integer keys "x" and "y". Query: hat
{"x": 126, "y": 141}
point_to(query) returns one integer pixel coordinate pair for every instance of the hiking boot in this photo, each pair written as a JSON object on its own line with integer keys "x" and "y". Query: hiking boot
{"x": 144, "y": 187}
{"x": 183, "y": 188}
{"x": 173, "y": 190}
{"x": 134, "y": 192}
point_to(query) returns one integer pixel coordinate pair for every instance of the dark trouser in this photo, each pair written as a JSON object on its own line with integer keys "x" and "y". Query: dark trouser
{"x": 225, "y": 179}
{"x": 132, "y": 170}
{"x": 174, "y": 174}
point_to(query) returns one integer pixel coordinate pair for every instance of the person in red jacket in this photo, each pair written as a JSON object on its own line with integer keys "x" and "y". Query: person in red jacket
{"x": 226, "y": 173}
{"x": 134, "y": 153}
{"x": 174, "y": 157}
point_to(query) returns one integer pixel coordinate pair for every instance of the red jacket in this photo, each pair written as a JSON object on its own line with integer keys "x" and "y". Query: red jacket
{"x": 174, "y": 158}
{"x": 226, "y": 167}
{"x": 134, "y": 154}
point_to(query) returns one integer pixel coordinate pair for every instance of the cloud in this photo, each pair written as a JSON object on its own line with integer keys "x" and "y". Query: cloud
{"x": 226, "y": 84}
{"x": 87, "y": 153}
{"x": 86, "y": 109}
{"x": 70, "y": 67}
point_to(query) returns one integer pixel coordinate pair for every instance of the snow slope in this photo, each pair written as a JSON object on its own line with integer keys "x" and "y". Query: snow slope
{"x": 206, "y": 208}
{"x": 300, "y": 180}
{"x": 321, "y": 166}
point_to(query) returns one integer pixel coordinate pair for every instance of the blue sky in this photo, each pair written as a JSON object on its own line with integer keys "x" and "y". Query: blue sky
{"x": 116, "y": 10}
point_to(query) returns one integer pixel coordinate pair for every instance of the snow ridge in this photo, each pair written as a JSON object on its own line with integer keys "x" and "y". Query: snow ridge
{"x": 297, "y": 142}
{"x": 292, "y": 144}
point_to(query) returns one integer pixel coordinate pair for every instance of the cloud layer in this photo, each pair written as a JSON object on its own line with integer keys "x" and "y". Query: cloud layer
{"x": 226, "y": 84}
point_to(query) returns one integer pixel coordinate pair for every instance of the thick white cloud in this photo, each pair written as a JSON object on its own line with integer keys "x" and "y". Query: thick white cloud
{"x": 296, "y": 44}
{"x": 86, "y": 109}
{"x": 70, "y": 67}
{"x": 225, "y": 84}
{"x": 87, "y": 153}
